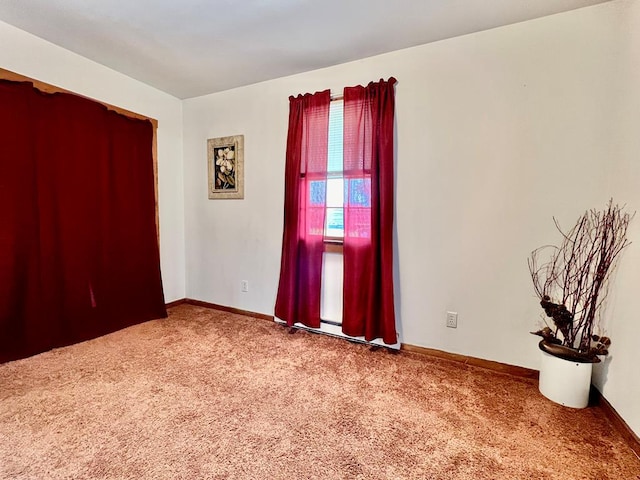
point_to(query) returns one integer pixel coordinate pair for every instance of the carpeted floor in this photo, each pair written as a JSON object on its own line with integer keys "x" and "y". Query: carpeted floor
{"x": 212, "y": 395}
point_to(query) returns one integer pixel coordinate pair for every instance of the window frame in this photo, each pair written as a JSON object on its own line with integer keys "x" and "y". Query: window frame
{"x": 334, "y": 244}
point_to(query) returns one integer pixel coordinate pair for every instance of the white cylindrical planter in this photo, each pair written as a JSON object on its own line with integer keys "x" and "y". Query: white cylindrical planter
{"x": 564, "y": 381}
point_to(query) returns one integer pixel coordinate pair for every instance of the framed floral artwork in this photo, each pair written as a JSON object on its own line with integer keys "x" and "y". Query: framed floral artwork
{"x": 225, "y": 158}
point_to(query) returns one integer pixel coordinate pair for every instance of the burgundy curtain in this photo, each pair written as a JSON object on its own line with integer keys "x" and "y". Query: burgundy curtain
{"x": 298, "y": 298}
{"x": 368, "y": 308}
{"x": 78, "y": 247}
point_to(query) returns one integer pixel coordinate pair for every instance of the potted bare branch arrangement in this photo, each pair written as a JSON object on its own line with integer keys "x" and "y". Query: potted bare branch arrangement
{"x": 571, "y": 280}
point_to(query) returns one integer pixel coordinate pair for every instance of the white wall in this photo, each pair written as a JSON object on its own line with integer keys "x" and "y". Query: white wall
{"x": 618, "y": 376}
{"x": 28, "y": 55}
{"x": 497, "y": 132}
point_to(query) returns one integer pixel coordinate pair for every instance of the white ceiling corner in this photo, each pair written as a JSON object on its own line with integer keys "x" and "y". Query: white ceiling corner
{"x": 195, "y": 47}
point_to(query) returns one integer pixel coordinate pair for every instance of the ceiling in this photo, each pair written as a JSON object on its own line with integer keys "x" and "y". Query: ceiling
{"x": 194, "y": 47}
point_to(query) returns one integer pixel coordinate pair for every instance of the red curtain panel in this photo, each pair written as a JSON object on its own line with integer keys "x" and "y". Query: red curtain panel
{"x": 78, "y": 250}
{"x": 368, "y": 303}
{"x": 19, "y": 232}
{"x": 298, "y": 298}
{"x": 129, "y": 266}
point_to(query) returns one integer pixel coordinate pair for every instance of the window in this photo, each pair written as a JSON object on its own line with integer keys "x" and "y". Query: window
{"x": 335, "y": 187}
{"x": 358, "y": 189}
{"x": 334, "y": 223}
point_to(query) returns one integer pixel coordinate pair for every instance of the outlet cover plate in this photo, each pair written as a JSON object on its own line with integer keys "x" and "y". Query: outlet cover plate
{"x": 452, "y": 319}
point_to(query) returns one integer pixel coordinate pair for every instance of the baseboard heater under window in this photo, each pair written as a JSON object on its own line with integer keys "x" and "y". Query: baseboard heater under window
{"x": 334, "y": 329}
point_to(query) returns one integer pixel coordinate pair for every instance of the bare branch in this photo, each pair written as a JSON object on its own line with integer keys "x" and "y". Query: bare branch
{"x": 571, "y": 280}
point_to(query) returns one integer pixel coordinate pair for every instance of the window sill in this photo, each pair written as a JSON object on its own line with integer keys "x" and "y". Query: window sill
{"x": 333, "y": 245}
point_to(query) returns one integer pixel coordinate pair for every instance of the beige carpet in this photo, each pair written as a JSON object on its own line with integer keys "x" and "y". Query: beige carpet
{"x": 212, "y": 395}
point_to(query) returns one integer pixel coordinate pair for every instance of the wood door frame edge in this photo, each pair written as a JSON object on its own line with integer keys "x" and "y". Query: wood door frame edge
{"x": 49, "y": 88}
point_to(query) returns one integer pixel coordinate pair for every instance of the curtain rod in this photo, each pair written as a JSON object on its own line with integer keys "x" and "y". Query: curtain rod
{"x": 337, "y": 96}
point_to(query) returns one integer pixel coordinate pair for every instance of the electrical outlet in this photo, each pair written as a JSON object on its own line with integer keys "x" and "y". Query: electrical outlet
{"x": 452, "y": 319}
{"x": 244, "y": 285}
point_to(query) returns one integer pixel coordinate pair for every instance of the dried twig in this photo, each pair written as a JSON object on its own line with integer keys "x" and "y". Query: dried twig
{"x": 571, "y": 279}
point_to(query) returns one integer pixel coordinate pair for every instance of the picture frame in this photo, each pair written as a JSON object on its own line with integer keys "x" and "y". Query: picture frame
{"x": 225, "y": 160}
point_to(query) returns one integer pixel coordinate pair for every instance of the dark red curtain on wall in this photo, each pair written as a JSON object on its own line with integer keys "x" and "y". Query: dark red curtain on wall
{"x": 128, "y": 225}
{"x": 368, "y": 305}
{"x": 298, "y": 298}
{"x": 78, "y": 246}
